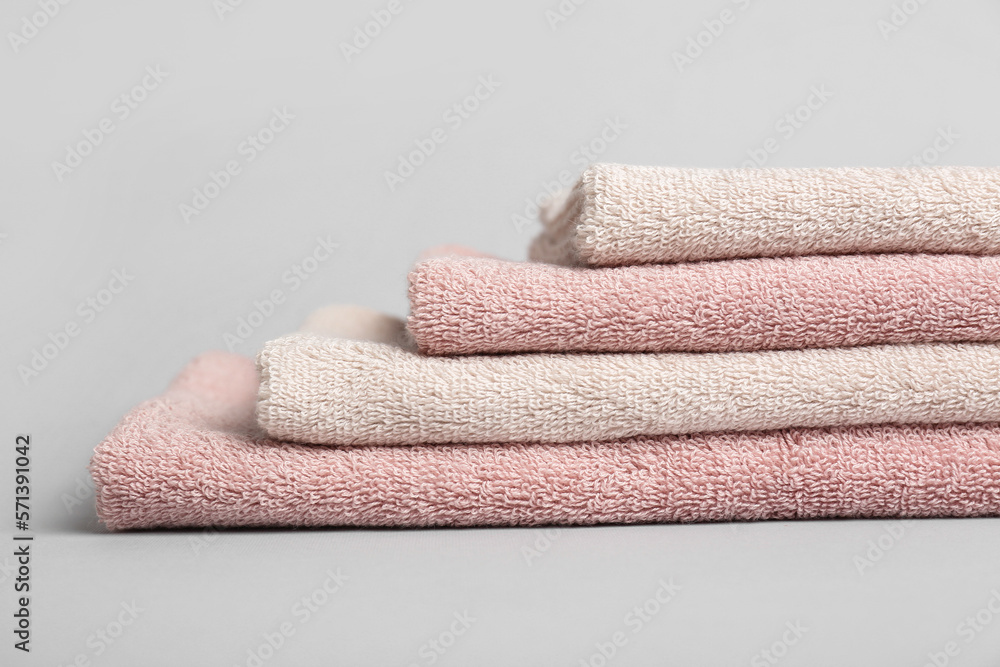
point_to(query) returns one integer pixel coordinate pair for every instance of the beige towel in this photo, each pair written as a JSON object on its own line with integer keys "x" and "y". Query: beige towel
{"x": 357, "y": 323}
{"x": 619, "y": 214}
{"x": 331, "y": 391}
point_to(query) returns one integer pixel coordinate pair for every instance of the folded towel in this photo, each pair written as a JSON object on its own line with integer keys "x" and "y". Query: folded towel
{"x": 330, "y": 391}
{"x": 619, "y": 214}
{"x": 357, "y": 323}
{"x": 463, "y": 305}
{"x": 194, "y": 457}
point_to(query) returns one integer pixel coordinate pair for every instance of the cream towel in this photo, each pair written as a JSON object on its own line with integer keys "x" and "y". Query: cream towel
{"x": 329, "y": 391}
{"x": 618, "y": 214}
{"x": 357, "y": 323}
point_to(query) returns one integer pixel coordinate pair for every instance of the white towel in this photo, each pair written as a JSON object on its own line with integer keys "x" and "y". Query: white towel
{"x": 331, "y": 391}
{"x": 619, "y": 214}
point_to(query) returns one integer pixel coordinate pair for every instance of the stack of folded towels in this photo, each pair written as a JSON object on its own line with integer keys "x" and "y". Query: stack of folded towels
{"x": 687, "y": 345}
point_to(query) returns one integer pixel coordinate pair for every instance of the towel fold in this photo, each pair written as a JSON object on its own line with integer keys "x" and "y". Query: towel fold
{"x": 194, "y": 457}
{"x": 330, "y": 391}
{"x": 618, "y": 214}
{"x": 465, "y": 305}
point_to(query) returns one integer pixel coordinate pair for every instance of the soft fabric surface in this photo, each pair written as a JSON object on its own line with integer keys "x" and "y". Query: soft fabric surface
{"x": 618, "y": 214}
{"x": 193, "y": 457}
{"x": 462, "y": 305}
{"x": 330, "y": 391}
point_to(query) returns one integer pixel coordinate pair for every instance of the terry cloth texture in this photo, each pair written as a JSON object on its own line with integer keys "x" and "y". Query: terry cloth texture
{"x": 618, "y": 214}
{"x": 329, "y": 391}
{"x": 462, "y": 305}
{"x": 194, "y": 457}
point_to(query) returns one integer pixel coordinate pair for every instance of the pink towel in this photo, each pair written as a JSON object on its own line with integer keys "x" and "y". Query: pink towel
{"x": 194, "y": 457}
{"x": 468, "y": 305}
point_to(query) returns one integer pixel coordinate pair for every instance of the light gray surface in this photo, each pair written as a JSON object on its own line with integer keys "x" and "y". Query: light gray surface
{"x": 207, "y": 599}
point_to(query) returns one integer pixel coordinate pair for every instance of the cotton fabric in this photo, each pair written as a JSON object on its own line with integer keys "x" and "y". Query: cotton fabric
{"x": 622, "y": 214}
{"x": 475, "y": 305}
{"x": 323, "y": 390}
{"x": 194, "y": 457}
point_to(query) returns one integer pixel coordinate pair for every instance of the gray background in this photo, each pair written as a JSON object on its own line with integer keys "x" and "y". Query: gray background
{"x": 208, "y": 598}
